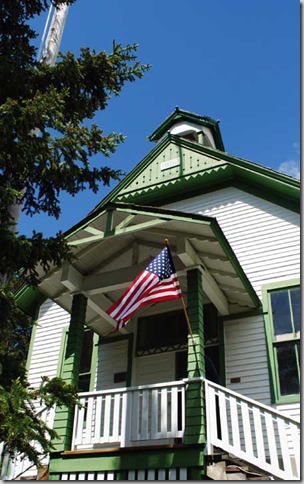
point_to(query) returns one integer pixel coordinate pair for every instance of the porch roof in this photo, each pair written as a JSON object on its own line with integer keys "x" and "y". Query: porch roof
{"x": 115, "y": 242}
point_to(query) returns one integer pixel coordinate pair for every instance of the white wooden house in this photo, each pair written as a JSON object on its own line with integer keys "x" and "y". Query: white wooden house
{"x": 149, "y": 412}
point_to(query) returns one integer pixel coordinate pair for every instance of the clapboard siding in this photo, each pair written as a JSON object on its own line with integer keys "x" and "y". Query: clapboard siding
{"x": 46, "y": 348}
{"x": 290, "y": 410}
{"x": 44, "y": 361}
{"x": 112, "y": 358}
{"x": 246, "y": 358}
{"x": 264, "y": 236}
{"x": 266, "y": 240}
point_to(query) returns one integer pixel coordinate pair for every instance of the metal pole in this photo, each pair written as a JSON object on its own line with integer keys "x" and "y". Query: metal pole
{"x": 49, "y": 56}
{"x": 53, "y": 40}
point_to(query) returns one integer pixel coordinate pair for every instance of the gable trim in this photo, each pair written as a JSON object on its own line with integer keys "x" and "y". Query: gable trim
{"x": 262, "y": 181}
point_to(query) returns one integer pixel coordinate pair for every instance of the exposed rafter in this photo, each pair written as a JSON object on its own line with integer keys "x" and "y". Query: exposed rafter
{"x": 189, "y": 257}
{"x": 120, "y": 229}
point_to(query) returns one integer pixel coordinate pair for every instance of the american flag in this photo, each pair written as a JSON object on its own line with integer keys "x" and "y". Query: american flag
{"x": 158, "y": 282}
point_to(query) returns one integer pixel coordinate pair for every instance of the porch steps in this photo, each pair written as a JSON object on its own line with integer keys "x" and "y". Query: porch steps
{"x": 227, "y": 468}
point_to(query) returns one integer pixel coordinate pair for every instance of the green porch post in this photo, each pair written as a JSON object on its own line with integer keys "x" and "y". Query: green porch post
{"x": 63, "y": 423}
{"x": 195, "y": 428}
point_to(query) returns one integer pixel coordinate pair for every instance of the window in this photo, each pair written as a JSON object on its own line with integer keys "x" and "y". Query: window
{"x": 283, "y": 333}
{"x": 163, "y": 332}
{"x": 85, "y": 361}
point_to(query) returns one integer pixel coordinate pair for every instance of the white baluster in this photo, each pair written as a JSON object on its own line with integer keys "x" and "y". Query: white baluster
{"x": 154, "y": 413}
{"x": 259, "y": 436}
{"x": 164, "y": 412}
{"x": 271, "y": 441}
{"x": 235, "y": 430}
{"x": 247, "y": 428}
{"x": 284, "y": 446}
{"x": 98, "y": 413}
{"x": 117, "y": 400}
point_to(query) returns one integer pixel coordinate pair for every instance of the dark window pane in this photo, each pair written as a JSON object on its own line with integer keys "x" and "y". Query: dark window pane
{"x": 288, "y": 370}
{"x": 281, "y": 312}
{"x": 86, "y": 353}
{"x": 298, "y": 345}
{"x": 212, "y": 363}
{"x": 165, "y": 329}
{"x": 295, "y": 302}
{"x": 210, "y": 323}
{"x": 181, "y": 365}
{"x": 84, "y": 383}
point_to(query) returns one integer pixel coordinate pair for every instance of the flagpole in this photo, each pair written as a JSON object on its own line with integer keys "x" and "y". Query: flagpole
{"x": 184, "y": 307}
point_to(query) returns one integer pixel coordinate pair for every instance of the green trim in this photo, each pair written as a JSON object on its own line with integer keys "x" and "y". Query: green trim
{"x": 181, "y": 115}
{"x": 195, "y": 425}
{"x": 127, "y": 459}
{"x": 208, "y": 181}
{"x": 29, "y": 299}
{"x": 276, "y": 398}
{"x": 63, "y": 423}
{"x": 175, "y": 215}
{"x": 244, "y": 315}
{"x": 94, "y": 361}
{"x": 222, "y": 358}
{"x": 234, "y": 261}
{"x": 36, "y": 305}
{"x": 264, "y": 182}
{"x": 31, "y": 346}
{"x": 63, "y": 341}
{"x": 109, "y": 223}
{"x": 257, "y": 179}
{"x": 133, "y": 173}
{"x": 280, "y": 284}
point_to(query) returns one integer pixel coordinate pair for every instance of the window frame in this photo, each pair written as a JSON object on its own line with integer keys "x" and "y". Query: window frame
{"x": 94, "y": 356}
{"x": 273, "y": 341}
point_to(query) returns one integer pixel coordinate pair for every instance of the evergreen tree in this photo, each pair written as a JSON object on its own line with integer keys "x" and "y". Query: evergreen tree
{"x": 48, "y": 139}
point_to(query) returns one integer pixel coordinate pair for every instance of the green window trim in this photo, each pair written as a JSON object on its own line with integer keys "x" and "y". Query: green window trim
{"x": 35, "y": 314}
{"x": 94, "y": 356}
{"x": 273, "y": 341}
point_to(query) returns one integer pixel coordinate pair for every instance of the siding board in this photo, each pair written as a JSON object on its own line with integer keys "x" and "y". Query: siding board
{"x": 45, "y": 355}
{"x": 266, "y": 240}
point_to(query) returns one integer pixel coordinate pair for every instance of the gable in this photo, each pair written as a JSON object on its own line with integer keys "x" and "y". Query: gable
{"x": 178, "y": 169}
{"x": 173, "y": 164}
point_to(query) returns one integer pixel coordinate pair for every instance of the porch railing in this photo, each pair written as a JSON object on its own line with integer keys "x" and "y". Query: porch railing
{"x": 152, "y": 414}
{"x": 253, "y": 432}
{"x": 130, "y": 416}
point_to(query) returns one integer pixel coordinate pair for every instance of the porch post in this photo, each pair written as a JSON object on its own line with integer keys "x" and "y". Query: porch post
{"x": 63, "y": 423}
{"x": 195, "y": 429}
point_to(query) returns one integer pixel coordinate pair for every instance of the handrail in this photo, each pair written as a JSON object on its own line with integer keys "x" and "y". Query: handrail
{"x": 252, "y": 432}
{"x": 250, "y": 400}
{"x": 135, "y": 388}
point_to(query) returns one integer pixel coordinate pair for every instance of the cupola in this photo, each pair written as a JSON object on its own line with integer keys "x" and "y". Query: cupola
{"x": 190, "y": 126}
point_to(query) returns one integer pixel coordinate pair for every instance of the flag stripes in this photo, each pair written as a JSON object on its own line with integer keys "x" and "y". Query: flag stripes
{"x": 157, "y": 283}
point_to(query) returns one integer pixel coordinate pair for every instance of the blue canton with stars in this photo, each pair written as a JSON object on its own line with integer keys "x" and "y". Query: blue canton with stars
{"x": 162, "y": 265}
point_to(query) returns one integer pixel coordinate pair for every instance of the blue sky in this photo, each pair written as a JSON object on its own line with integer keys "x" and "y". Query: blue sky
{"x": 237, "y": 61}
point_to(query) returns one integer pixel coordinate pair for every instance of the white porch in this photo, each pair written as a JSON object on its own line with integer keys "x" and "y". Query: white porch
{"x": 155, "y": 414}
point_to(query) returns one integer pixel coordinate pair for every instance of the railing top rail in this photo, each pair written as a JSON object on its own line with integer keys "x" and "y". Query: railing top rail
{"x": 250, "y": 400}
{"x": 179, "y": 383}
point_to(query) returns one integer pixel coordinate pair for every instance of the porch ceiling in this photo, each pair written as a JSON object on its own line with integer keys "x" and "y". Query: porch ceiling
{"x": 111, "y": 246}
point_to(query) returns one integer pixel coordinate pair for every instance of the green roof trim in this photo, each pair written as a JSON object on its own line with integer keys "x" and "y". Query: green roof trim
{"x": 181, "y": 115}
{"x": 29, "y": 299}
{"x": 178, "y": 215}
{"x": 259, "y": 180}
{"x": 234, "y": 261}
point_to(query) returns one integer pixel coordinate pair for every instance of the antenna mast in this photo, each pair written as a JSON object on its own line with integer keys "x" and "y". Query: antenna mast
{"x": 49, "y": 55}
{"x": 54, "y": 36}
